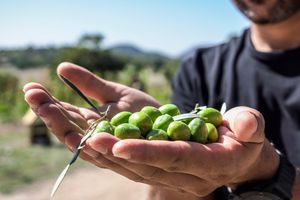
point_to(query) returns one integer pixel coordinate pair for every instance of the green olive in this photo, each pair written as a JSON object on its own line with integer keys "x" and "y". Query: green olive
{"x": 105, "y": 126}
{"x": 162, "y": 122}
{"x": 213, "y": 135}
{"x": 152, "y": 112}
{"x": 120, "y": 118}
{"x": 157, "y": 134}
{"x": 142, "y": 121}
{"x": 187, "y": 121}
{"x": 127, "y": 131}
{"x": 178, "y": 130}
{"x": 169, "y": 109}
{"x": 211, "y": 115}
{"x": 199, "y": 131}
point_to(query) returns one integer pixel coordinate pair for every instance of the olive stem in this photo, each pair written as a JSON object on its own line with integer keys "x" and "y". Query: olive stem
{"x": 89, "y": 132}
{"x": 223, "y": 108}
{"x": 185, "y": 116}
{"x": 71, "y": 85}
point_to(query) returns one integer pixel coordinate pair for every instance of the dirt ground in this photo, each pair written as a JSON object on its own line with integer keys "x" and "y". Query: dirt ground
{"x": 85, "y": 183}
{"x": 88, "y": 183}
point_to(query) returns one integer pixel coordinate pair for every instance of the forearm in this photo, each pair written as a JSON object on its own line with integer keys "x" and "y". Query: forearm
{"x": 158, "y": 193}
{"x": 296, "y": 188}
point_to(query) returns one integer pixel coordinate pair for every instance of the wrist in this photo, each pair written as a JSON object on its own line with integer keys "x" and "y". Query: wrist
{"x": 265, "y": 167}
{"x": 278, "y": 187}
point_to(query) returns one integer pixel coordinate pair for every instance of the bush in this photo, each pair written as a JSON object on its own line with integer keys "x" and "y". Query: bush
{"x": 12, "y": 104}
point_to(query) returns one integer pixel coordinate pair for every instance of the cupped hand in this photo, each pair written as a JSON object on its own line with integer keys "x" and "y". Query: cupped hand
{"x": 189, "y": 168}
{"x": 242, "y": 154}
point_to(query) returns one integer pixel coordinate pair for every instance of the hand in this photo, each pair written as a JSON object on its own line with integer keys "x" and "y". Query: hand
{"x": 189, "y": 168}
{"x": 63, "y": 118}
{"x": 242, "y": 154}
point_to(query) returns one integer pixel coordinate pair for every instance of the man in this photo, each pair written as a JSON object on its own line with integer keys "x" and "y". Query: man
{"x": 259, "y": 70}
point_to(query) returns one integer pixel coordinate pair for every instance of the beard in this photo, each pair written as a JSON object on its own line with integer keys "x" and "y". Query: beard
{"x": 268, "y": 11}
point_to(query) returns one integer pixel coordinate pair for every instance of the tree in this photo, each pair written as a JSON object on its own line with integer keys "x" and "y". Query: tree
{"x": 91, "y": 40}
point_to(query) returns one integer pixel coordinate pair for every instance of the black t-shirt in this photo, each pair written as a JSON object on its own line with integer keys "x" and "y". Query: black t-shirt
{"x": 239, "y": 75}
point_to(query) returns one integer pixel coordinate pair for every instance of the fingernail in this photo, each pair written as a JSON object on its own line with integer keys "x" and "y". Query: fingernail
{"x": 102, "y": 149}
{"x": 120, "y": 152}
{"x": 123, "y": 155}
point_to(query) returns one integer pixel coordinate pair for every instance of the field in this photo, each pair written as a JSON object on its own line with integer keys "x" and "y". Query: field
{"x": 24, "y": 167}
{"x": 22, "y": 164}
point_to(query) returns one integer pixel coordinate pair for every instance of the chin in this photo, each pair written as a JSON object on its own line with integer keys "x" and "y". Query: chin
{"x": 268, "y": 11}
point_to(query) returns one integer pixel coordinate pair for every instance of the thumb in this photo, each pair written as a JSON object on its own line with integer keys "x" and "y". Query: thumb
{"x": 89, "y": 84}
{"x": 247, "y": 124}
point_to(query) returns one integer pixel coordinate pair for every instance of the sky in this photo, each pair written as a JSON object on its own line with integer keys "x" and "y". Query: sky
{"x": 168, "y": 26}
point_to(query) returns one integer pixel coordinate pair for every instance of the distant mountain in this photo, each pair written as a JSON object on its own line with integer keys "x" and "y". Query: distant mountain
{"x": 132, "y": 52}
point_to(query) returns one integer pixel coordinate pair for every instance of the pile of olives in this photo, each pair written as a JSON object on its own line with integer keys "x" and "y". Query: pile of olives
{"x": 158, "y": 124}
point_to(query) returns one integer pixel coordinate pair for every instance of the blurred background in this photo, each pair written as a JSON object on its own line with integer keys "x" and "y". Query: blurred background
{"x": 137, "y": 43}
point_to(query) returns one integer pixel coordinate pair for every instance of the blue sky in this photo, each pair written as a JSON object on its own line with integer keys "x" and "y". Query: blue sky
{"x": 169, "y": 26}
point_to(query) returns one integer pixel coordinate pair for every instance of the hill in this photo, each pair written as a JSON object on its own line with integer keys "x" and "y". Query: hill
{"x": 134, "y": 53}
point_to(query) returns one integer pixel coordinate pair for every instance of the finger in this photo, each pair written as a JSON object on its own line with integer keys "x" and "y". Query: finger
{"x": 75, "y": 115}
{"x": 186, "y": 182}
{"x": 164, "y": 154}
{"x": 57, "y": 122}
{"x": 187, "y": 157}
{"x": 91, "y": 85}
{"x": 172, "y": 156}
{"x": 32, "y": 85}
{"x": 36, "y": 95}
{"x": 50, "y": 113}
{"x": 246, "y": 124}
{"x": 72, "y": 139}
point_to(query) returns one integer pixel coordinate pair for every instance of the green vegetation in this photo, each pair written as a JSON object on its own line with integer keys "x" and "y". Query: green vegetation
{"x": 12, "y": 104}
{"x": 29, "y": 57}
{"x": 21, "y": 164}
{"x": 125, "y": 64}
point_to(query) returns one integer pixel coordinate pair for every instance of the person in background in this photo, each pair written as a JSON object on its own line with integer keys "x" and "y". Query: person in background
{"x": 258, "y": 153}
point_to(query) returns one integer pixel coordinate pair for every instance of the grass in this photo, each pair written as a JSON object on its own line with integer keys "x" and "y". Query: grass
{"x": 22, "y": 164}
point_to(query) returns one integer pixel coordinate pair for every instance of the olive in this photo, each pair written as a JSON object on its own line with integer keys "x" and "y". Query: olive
{"x": 152, "y": 112}
{"x": 199, "y": 130}
{"x": 157, "y": 134}
{"x": 120, "y": 118}
{"x": 213, "y": 135}
{"x": 162, "y": 122}
{"x": 211, "y": 115}
{"x": 187, "y": 121}
{"x": 178, "y": 130}
{"x": 142, "y": 121}
{"x": 169, "y": 109}
{"x": 127, "y": 131}
{"x": 105, "y": 126}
